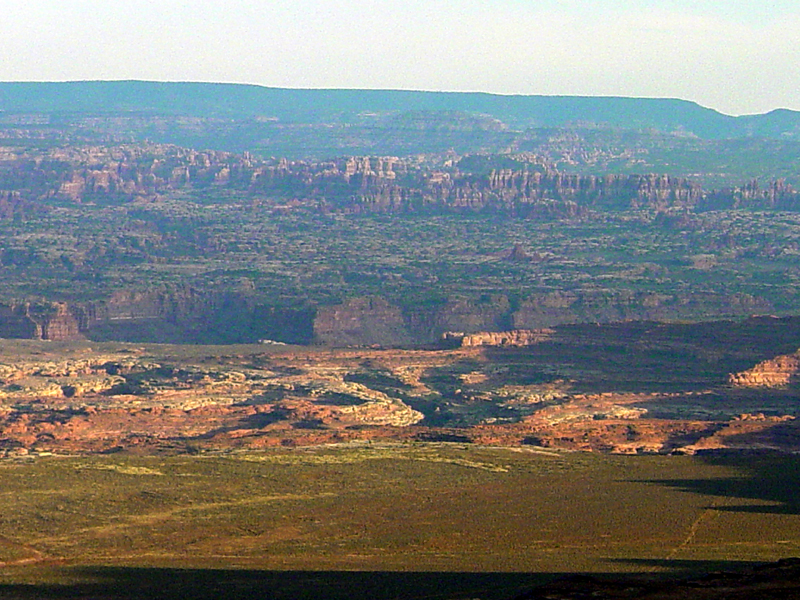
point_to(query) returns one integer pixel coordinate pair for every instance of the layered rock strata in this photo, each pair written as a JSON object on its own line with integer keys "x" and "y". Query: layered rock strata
{"x": 40, "y": 321}
{"x": 516, "y": 337}
{"x": 780, "y": 371}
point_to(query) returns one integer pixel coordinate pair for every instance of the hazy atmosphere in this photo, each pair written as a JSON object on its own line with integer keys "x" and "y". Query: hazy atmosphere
{"x": 408, "y": 300}
{"x": 737, "y": 59}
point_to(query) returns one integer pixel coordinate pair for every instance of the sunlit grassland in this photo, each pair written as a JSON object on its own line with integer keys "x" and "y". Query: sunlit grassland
{"x": 402, "y": 507}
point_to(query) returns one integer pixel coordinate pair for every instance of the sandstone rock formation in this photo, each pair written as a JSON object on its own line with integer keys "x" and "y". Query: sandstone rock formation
{"x": 600, "y": 388}
{"x": 40, "y": 321}
{"x": 360, "y": 184}
{"x": 165, "y": 314}
{"x": 182, "y": 313}
{"x": 361, "y": 321}
{"x": 516, "y": 337}
{"x": 779, "y": 372}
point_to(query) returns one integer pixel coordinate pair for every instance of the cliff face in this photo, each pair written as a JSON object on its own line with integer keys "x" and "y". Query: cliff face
{"x": 361, "y": 321}
{"x": 44, "y": 321}
{"x": 518, "y": 193}
{"x": 364, "y": 322}
{"x": 778, "y": 372}
{"x": 186, "y": 314}
{"x": 775, "y": 195}
{"x": 63, "y": 325}
{"x": 375, "y": 321}
{"x": 16, "y": 323}
{"x": 557, "y": 308}
{"x": 365, "y": 184}
{"x": 180, "y": 315}
{"x": 471, "y": 315}
{"x": 189, "y": 315}
{"x": 517, "y": 337}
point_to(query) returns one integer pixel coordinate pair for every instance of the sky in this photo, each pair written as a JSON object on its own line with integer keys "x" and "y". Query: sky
{"x": 739, "y": 59}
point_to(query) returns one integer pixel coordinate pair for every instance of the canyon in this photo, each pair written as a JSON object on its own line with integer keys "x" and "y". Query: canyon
{"x": 189, "y": 315}
{"x": 522, "y": 184}
{"x": 615, "y": 388}
{"x": 159, "y": 243}
{"x": 291, "y": 336}
{"x": 505, "y": 271}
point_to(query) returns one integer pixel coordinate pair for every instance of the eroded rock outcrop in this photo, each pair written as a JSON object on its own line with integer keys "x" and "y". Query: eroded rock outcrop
{"x": 376, "y": 321}
{"x": 54, "y": 321}
{"x": 361, "y": 184}
{"x": 516, "y": 337}
{"x": 361, "y": 321}
{"x": 566, "y": 392}
{"x": 609, "y": 306}
{"x": 778, "y": 372}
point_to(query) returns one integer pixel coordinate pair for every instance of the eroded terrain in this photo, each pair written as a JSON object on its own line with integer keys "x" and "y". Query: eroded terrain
{"x": 623, "y": 388}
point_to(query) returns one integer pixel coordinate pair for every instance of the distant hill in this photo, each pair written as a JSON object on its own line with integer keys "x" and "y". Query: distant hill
{"x": 293, "y": 106}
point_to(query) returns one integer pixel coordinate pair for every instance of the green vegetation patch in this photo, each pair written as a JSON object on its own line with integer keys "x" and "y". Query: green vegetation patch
{"x": 423, "y": 507}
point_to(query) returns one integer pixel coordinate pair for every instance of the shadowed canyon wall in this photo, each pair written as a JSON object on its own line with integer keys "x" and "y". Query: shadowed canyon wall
{"x": 186, "y": 315}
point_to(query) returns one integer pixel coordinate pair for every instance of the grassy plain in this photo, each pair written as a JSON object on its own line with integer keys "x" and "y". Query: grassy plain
{"x": 380, "y": 521}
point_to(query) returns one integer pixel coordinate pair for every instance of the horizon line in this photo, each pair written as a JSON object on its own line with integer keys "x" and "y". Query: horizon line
{"x": 393, "y": 90}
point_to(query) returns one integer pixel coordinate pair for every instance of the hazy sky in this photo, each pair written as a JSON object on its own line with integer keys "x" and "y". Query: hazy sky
{"x": 738, "y": 59}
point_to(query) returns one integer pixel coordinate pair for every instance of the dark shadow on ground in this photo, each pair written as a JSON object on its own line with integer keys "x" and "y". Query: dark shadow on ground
{"x": 117, "y": 583}
{"x": 769, "y": 477}
{"x": 645, "y": 356}
{"x": 212, "y": 584}
{"x": 680, "y": 568}
{"x": 769, "y": 581}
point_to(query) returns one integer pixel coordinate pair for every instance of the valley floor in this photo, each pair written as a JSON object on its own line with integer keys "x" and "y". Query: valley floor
{"x": 382, "y": 521}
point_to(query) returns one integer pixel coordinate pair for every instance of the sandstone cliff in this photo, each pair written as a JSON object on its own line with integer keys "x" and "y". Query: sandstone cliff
{"x": 376, "y": 321}
{"x": 776, "y": 194}
{"x": 363, "y": 184}
{"x": 39, "y": 321}
{"x": 368, "y": 321}
{"x": 778, "y": 372}
{"x": 608, "y": 306}
{"x": 186, "y": 314}
{"x": 361, "y": 321}
{"x": 177, "y": 314}
{"x": 516, "y": 337}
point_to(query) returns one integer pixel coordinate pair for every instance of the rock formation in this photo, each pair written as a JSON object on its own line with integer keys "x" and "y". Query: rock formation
{"x": 516, "y": 337}
{"x": 360, "y": 184}
{"x": 780, "y": 371}
{"x": 565, "y": 392}
{"x": 361, "y": 321}
{"x": 39, "y": 321}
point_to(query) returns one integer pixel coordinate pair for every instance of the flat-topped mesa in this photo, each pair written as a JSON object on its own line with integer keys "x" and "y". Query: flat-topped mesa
{"x": 777, "y": 372}
{"x": 515, "y": 337}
